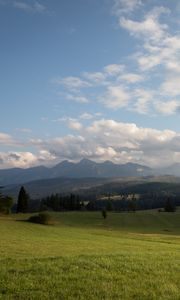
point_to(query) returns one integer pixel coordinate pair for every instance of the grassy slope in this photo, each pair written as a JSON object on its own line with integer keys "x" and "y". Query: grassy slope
{"x": 127, "y": 256}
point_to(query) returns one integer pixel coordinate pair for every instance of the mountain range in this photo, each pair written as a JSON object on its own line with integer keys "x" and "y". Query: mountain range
{"x": 83, "y": 169}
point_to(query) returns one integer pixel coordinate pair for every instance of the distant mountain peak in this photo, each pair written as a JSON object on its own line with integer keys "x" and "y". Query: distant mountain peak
{"x": 63, "y": 163}
{"x": 86, "y": 161}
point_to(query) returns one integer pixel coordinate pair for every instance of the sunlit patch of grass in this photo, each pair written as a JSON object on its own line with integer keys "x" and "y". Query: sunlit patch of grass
{"x": 82, "y": 256}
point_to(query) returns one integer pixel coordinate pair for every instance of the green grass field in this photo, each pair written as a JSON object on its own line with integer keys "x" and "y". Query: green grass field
{"x": 127, "y": 256}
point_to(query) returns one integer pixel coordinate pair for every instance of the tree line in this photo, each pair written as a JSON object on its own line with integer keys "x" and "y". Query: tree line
{"x": 58, "y": 202}
{"x": 6, "y": 203}
{"x": 73, "y": 202}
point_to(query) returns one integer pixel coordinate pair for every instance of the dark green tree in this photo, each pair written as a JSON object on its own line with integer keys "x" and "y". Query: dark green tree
{"x": 6, "y": 204}
{"x": 23, "y": 199}
{"x": 109, "y": 205}
{"x": 169, "y": 205}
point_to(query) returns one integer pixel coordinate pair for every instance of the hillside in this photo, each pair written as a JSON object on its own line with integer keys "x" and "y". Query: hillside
{"x": 97, "y": 186}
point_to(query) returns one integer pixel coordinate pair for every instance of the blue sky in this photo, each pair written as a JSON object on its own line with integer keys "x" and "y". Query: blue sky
{"x": 87, "y": 78}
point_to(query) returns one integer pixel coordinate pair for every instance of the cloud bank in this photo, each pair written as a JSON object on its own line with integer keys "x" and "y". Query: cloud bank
{"x": 100, "y": 140}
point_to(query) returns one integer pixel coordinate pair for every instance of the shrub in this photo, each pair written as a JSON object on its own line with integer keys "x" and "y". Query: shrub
{"x": 42, "y": 218}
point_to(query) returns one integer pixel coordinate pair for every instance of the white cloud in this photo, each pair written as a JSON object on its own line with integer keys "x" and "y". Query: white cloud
{"x": 147, "y": 62}
{"x": 78, "y": 99}
{"x": 116, "y": 97}
{"x": 165, "y": 53}
{"x": 8, "y": 140}
{"x": 74, "y": 124}
{"x": 171, "y": 86}
{"x": 35, "y": 7}
{"x": 17, "y": 159}
{"x": 117, "y": 141}
{"x": 5, "y": 138}
{"x": 150, "y": 28}
{"x": 105, "y": 152}
{"x": 96, "y": 77}
{"x": 143, "y": 100}
{"x": 157, "y": 44}
{"x": 173, "y": 65}
{"x": 86, "y": 116}
{"x": 168, "y": 107}
{"x": 114, "y": 69}
{"x": 131, "y": 77}
{"x": 160, "y": 50}
{"x": 125, "y": 6}
{"x": 156, "y": 66}
{"x": 61, "y": 119}
{"x": 71, "y": 82}
{"x": 101, "y": 140}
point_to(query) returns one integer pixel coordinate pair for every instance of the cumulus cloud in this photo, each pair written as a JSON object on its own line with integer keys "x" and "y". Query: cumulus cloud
{"x": 5, "y": 138}
{"x": 116, "y": 97}
{"x": 96, "y": 77}
{"x": 131, "y": 77}
{"x": 113, "y": 94}
{"x": 8, "y": 140}
{"x": 143, "y": 100}
{"x": 17, "y": 159}
{"x": 116, "y": 141}
{"x": 168, "y": 107}
{"x": 101, "y": 140}
{"x": 160, "y": 50}
{"x": 171, "y": 86}
{"x": 74, "y": 124}
{"x": 160, "y": 46}
{"x": 151, "y": 79}
{"x": 71, "y": 82}
{"x": 114, "y": 69}
{"x": 150, "y": 28}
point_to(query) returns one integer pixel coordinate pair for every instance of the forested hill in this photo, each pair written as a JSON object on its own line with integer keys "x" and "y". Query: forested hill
{"x": 99, "y": 186}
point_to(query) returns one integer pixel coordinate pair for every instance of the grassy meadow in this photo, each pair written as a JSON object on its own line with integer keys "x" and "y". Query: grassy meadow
{"x": 82, "y": 256}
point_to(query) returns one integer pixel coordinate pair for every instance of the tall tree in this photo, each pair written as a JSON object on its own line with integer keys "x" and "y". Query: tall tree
{"x": 169, "y": 205}
{"x": 23, "y": 199}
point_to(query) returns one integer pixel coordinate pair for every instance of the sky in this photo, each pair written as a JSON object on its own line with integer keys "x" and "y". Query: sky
{"x": 89, "y": 79}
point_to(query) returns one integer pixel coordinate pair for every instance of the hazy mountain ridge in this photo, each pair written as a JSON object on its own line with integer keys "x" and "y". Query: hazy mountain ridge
{"x": 83, "y": 169}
